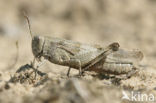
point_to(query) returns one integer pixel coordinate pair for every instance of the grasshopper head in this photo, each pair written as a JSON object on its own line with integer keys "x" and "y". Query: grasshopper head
{"x": 37, "y": 46}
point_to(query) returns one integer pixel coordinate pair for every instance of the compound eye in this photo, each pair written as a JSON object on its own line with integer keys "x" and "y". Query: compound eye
{"x": 36, "y": 39}
{"x": 37, "y": 46}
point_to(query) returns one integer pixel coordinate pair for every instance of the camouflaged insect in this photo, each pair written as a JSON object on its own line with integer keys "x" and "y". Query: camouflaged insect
{"x": 85, "y": 57}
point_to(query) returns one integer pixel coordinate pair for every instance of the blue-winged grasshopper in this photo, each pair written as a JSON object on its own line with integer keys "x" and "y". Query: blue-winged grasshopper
{"x": 84, "y": 56}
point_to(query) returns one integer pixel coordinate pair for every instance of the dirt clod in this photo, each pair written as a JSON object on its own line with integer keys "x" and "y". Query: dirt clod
{"x": 28, "y": 75}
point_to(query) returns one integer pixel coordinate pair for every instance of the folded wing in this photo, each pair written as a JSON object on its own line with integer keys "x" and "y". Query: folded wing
{"x": 125, "y": 56}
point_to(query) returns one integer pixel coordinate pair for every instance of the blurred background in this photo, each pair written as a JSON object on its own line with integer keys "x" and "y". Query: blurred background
{"x": 132, "y": 23}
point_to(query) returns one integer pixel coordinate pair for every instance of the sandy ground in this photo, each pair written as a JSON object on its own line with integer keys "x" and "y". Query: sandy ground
{"x": 131, "y": 23}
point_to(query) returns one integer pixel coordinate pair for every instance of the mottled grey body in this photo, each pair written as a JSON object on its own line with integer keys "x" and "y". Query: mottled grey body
{"x": 65, "y": 52}
{"x": 83, "y": 56}
{"x": 88, "y": 57}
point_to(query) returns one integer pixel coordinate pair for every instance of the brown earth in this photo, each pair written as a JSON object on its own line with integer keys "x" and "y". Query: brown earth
{"x": 132, "y": 23}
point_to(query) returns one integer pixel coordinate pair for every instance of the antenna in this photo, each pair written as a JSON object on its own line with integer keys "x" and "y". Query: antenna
{"x": 28, "y": 21}
{"x": 30, "y": 32}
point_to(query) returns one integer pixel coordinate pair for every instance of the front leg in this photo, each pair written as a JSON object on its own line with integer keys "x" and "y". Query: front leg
{"x": 37, "y": 66}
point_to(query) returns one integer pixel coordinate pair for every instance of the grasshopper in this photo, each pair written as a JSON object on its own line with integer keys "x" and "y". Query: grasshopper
{"x": 78, "y": 55}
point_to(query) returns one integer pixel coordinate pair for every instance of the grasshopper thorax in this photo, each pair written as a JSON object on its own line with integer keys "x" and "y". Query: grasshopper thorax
{"x": 37, "y": 46}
